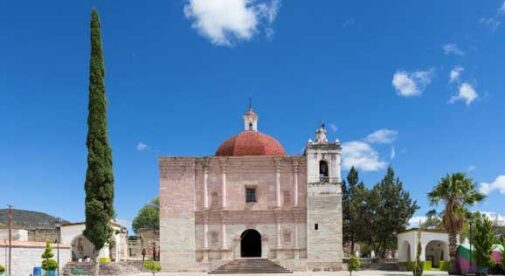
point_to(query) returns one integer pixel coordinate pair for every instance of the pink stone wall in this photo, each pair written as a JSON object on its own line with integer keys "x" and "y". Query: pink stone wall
{"x": 250, "y": 171}
{"x": 184, "y": 218}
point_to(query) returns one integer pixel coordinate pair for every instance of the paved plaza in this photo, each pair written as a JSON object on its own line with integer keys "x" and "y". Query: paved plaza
{"x": 340, "y": 273}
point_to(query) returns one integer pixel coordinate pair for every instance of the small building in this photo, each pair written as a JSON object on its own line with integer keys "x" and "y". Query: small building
{"x": 434, "y": 246}
{"x": 117, "y": 250}
{"x": 18, "y": 234}
{"x": 28, "y": 254}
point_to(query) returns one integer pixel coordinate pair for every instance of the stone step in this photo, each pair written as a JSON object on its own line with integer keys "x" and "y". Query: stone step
{"x": 250, "y": 265}
{"x": 114, "y": 268}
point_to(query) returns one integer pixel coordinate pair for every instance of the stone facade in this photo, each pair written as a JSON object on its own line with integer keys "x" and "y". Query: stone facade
{"x": 219, "y": 208}
{"x": 147, "y": 239}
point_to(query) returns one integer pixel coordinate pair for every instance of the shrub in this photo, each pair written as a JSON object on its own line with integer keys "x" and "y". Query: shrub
{"x": 152, "y": 266}
{"x": 48, "y": 263}
{"x": 104, "y": 260}
{"x": 2, "y": 269}
{"x": 406, "y": 266}
{"x": 353, "y": 265}
{"x": 444, "y": 266}
{"x": 427, "y": 265}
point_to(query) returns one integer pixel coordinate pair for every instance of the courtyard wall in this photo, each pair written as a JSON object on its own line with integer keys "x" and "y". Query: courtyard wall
{"x": 26, "y": 255}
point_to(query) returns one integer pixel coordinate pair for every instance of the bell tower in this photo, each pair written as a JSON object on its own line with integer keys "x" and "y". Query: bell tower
{"x": 250, "y": 120}
{"x": 324, "y": 203}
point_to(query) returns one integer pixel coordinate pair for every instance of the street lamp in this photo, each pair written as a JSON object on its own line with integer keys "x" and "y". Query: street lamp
{"x": 57, "y": 223}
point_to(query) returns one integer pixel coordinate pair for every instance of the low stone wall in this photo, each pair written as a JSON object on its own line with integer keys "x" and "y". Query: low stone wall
{"x": 27, "y": 255}
{"x": 43, "y": 234}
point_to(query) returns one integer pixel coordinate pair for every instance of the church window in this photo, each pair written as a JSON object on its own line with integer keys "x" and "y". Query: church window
{"x": 250, "y": 195}
{"x": 215, "y": 199}
{"x": 316, "y": 226}
{"x": 287, "y": 198}
{"x": 287, "y": 235}
{"x": 323, "y": 171}
{"x": 214, "y": 239}
{"x": 250, "y": 126}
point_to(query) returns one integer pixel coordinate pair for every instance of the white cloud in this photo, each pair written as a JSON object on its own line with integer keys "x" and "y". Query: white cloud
{"x": 498, "y": 184}
{"x": 455, "y": 74}
{"x": 466, "y": 93}
{"x": 362, "y": 156}
{"x": 141, "y": 146}
{"x": 417, "y": 220}
{"x": 382, "y": 136}
{"x": 502, "y": 8}
{"x": 471, "y": 168}
{"x": 349, "y": 22}
{"x": 492, "y": 23}
{"x": 333, "y": 127}
{"x": 225, "y": 22}
{"x": 452, "y": 49}
{"x": 411, "y": 84}
{"x": 392, "y": 153}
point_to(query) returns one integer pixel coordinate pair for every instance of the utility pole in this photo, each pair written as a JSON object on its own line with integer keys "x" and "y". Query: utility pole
{"x": 10, "y": 239}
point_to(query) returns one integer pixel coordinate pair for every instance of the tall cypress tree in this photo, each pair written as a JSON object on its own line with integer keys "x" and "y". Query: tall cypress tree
{"x": 99, "y": 176}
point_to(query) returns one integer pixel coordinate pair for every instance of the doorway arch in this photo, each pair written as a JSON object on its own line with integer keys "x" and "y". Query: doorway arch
{"x": 436, "y": 251}
{"x": 250, "y": 244}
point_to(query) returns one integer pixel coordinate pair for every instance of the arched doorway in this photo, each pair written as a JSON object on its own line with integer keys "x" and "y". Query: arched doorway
{"x": 435, "y": 252}
{"x": 250, "y": 244}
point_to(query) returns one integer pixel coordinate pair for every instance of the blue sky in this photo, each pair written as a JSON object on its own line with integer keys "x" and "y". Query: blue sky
{"x": 179, "y": 75}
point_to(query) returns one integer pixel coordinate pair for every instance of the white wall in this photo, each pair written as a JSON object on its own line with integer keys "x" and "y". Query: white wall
{"x": 17, "y": 234}
{"x": 25, "y": 258}
{"x": 71, "y": 234}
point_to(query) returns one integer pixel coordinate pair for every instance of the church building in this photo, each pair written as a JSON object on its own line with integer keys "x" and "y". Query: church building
{"x": 251, "y": 200}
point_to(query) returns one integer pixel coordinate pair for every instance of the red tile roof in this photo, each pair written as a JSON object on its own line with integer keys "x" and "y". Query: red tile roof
{"x": 250, "y": 143}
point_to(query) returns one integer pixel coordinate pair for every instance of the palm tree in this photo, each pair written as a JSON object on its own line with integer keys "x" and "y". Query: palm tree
{"x": 457, "y": 192}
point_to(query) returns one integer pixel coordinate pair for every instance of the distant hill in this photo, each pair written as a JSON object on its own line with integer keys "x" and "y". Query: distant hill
{"x": 28, "y": 219}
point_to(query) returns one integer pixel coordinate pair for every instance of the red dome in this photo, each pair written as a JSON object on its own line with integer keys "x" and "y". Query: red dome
{"x": 250, "y": 143}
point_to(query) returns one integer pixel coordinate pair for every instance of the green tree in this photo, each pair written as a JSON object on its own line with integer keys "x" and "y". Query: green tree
{"x": 2, "y": 269}
{"x": 152, "y": 266}
{"x": 354, "y": 198}
{"x": 353, "y": 265}
{"x": 148, "y": 217}
{"x": 99, "y": 175}
{"x": 465, "y": 231}
{"x": 390, "y": 208}
{"x": 433, "y": 221}
{"x": 48, "y": 263}
{"x": 418, "y": 264}
{"x": 457, "y": 192}
{"x": 483, "y": 241}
